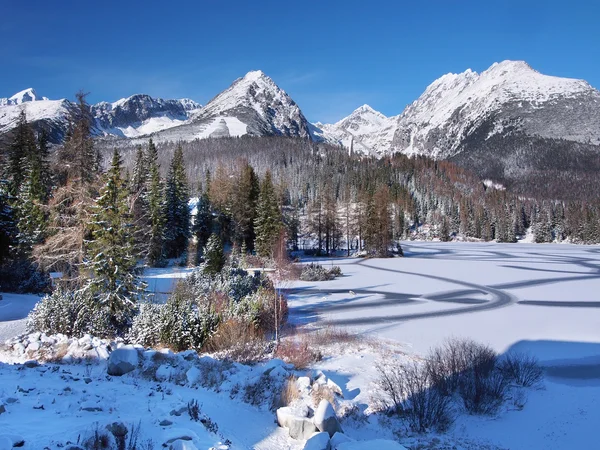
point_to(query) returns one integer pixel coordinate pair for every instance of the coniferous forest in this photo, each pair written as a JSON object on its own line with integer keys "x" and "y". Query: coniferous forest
{"x": 67, "y": 208}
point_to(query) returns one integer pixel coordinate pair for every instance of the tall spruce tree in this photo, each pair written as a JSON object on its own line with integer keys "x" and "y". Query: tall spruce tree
{"x": 8, "y": 228}
{"x": 78, "y": 157}
{"x": 21, "y": 149}
{"x": 111, "y": 258}
{"x": 243, "y": 207}
{"x": 31, "y": 218}
{"x": 203, "y": 223}
{"x": 155, "y": 251}
{"x": 268, "y": 221}
{"x": 177, "y": 212}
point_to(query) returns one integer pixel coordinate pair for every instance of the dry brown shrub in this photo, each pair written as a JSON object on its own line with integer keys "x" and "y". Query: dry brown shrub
{"x": 297, "y": 351}
{"x": 322, "y": 392}
{"x": 239, "y": 341}
{"x": 53, "y": 354}
{"x": 290, "y": 392}
{"x": 329, "y": 335}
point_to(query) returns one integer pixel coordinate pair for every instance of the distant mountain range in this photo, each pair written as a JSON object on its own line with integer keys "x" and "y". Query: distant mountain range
{"x": 502, "y": 122}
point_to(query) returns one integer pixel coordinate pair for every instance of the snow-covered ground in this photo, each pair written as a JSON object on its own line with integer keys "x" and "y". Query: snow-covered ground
{"x": 543, "y": 299}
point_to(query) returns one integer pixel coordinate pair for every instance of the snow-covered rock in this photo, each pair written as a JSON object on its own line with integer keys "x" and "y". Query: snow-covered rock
{"x": 325, "y": 418}
{"x": 193, "y": 375}
{"x": 182, "y": 445}
{"x": 379, "y": 444}
{"x": 339, "y": 438}
{"x": 318, "y": 441}
{"x": 164, "y": 372}
{"x": 301, "y": 427}
{"x": 123, "y": 360}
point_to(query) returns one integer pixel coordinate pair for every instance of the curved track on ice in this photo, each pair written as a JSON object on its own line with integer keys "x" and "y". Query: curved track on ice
{"x": 468, "y": 294}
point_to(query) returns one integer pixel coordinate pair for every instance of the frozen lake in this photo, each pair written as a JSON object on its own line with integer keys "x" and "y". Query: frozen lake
{"x": 545, "y": 298}
{"x": 542, "y": 299}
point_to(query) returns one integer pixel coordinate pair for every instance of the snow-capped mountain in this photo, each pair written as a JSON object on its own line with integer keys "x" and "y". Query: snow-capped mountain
{"x": 128, "y": 117}
{"x": 252, "y": 105}
{"x": 28, "y": 95}
{"x": 364, "y": 131}
{"x": 141, "y": 114}
{"x": 509, "y": 97}
{"x": 509, "y": 123}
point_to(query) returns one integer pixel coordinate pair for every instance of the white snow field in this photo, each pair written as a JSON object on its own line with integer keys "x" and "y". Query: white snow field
{"x": 543, "y": 299}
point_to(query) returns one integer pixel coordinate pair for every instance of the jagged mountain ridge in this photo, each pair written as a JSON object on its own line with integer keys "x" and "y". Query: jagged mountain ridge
{"x": 489, "y": 122}
{"x": 129, "y": 117}
{"x": 253, "y": 105}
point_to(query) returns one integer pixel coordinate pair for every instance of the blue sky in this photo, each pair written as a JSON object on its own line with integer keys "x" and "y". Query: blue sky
{"x": 330, "y": 56}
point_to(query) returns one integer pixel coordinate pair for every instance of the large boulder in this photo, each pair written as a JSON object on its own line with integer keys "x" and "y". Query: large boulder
{"x": 318, "y": 441}
{"x": 326, "y": 420}
{"x": 301, "y": 428}
{"x": 123, "y": 360}
{"x": 338, "y": 439}
{"x": 286, "y": 413}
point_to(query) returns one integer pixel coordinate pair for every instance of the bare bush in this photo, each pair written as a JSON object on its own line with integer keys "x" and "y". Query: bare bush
{"x": 455, "y": 357}
{"x": 470, "y": 369}
{"x": 521, "y": 369}
{"x": 322, "y": 392}
{"x": 239, "y": 341}
{"x": 193, "y": 408}
{"x": 290, "y": 392}
{"x": 408, "y": 390}
{"x": 297, "y": 351}
{"x": 483, "y": 393}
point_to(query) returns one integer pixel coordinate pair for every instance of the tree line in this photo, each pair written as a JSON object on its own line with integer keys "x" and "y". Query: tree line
{"x": 61, "y": 211}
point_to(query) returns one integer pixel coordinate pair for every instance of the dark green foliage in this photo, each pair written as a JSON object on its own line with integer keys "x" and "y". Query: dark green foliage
{"x": 243, "y": 207}
{"x": 177, "y": 213}
{"x": 203, "y": 222}
{"x": 111, "y": 258}
{"x": 214, "y": 258}
{"x": 20, "y": 151}
{"x": 268, "y": 220}
{"x": 156, "y": 208}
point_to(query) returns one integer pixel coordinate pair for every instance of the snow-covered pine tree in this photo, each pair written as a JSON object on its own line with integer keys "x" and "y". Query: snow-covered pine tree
{"x": 111, "y": 260}
{"x": 177, "y": 213}
{"x": 138, "y": 189}
{"x": 214, "y": 258}
{"x": 268, "y": 218}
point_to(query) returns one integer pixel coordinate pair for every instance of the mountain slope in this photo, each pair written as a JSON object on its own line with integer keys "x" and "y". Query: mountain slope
{"x": 364, "y": 131}
{"x": 130, "y": 117}
{"x": 509, "y": 97}
{"x": 252, "y": 105}
{"x": 141, "y": 114}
